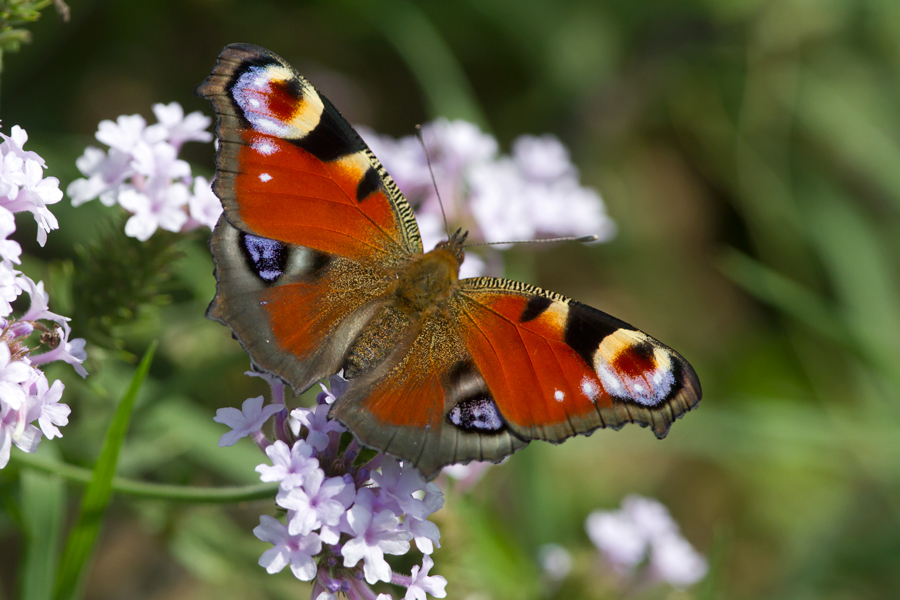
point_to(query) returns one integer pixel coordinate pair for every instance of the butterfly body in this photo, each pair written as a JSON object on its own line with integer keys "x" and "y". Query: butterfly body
{"x": 320, "y": 269}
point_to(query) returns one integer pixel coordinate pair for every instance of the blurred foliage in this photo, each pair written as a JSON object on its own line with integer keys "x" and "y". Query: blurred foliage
{"x": 748, "y": 150}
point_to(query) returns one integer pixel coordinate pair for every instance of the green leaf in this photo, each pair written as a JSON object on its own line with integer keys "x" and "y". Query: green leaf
{"x": 43, "y": 501}
{"x": 83, "y": 536}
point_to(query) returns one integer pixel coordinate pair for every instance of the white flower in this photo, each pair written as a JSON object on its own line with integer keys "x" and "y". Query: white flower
{"x": 644, "y": 528}
{"x": 127, "y": 132}
{"x": 673, "y": 559}
{"x": 142, "y": 172}
{"x": 159, "y": 160}
{"x": 467, "y": 474}
{"x": 105, "y": 172}
{"x": 294, "y": 550}
{"x": 13, "y": 373}
{"x": 617, "y": 537}
{"x": 422, "y": 583}
{"x": 542, "y": 157}
{"x": 27, "y": 189}
{"x": 375, "y": 534}
{"x": 180, "y": 129}
{"x": 14, "y": 429}
{"x": 15, "y": 143}
{"x": 319, "y": 501}
{"x": 161, "y": 207}
{"x": 9, "y": 287}
{"x": 204, "y": 206}
{"x": 246, "y": 421}
{"x": 289, "y": 465}
{"x": 44, "y": 405}
{"x": 10, "y": 250}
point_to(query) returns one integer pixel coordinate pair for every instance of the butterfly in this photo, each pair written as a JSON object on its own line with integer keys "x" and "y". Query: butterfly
{"x": 320, "y": 269}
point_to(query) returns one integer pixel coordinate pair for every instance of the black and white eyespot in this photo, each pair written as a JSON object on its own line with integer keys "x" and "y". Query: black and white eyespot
{"x": 266, "y": 258}
{"x": 476, "y": 414}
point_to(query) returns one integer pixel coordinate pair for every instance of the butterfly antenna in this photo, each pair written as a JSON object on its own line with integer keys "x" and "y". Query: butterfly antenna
{"x": 433, "y": 180}
{"x": 583, "y": 239}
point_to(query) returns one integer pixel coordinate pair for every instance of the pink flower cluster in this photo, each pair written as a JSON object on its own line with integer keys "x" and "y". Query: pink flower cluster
{"x": 142, "y": 173}
{"x": 643, "y": 536}
{"x": 534, "y": 192}
{"x": 342, "y": 517}
{"x": 26, "y": 396}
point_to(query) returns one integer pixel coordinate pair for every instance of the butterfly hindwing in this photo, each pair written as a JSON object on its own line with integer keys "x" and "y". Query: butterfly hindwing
{"x": 295, "y": 310}
{"x": 427, "y": 403}
{"x": 556, "y": 368}
{"x": 290, "y": 168}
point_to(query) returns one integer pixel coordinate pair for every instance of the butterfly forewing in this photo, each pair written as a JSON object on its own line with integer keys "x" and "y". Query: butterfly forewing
{"x": 555, "y": 367}
{"x": 290, "y": 168}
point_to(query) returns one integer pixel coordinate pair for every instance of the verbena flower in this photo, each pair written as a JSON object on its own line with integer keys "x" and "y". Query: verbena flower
{"x": 142, "y": 173}
{"x": 644, "y": 533}
{"x": 533, "y": 193}
{"x": 23, "y": 186}
{"x": 26, "y": 396}
{"x": 344, "y": 513}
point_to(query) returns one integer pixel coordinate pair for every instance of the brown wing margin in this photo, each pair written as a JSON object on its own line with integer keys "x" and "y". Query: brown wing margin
{"x": 290, "y": 168}
{"x": 556, "y": 367}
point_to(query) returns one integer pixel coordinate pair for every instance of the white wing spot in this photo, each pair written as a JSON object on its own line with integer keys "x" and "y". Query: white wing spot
{"x": 264, "y": 177}
{"x": 254, "y": 102}
{"x": 590, "y": 389}
{"x": 559, "y": 395}
{"x": 264, "y": 148}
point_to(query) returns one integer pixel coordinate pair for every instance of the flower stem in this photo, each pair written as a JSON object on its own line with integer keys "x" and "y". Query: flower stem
{"x": 157, "y": 491}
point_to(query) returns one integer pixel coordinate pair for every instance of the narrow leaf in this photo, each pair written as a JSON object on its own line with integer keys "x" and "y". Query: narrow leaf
{"x": 43, "y": 499}
{"x": 79, "y": 546}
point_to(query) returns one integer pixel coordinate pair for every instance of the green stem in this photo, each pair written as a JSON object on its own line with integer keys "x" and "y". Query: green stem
{"x": 154, "y": 491}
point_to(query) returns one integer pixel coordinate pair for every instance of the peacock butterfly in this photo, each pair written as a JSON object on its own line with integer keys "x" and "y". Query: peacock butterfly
{"x": 320, "y": 268}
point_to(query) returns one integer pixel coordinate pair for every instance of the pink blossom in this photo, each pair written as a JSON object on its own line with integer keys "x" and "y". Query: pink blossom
{"x": 375, "y": 533}
{"x": 246, "y": 421}
{"x": 421, "y": 583}
{"x": 289, "y": 465}
{"x": 294, "y": 550}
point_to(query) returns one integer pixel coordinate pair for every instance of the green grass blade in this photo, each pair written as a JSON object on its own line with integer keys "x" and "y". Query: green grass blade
{"x": 43, "y": 500}
{"x": 96, "y": 497}
{"x": 784, "y": 294}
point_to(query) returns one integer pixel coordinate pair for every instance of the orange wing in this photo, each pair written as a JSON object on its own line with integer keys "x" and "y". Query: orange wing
{"x": 290, "y": 168}
{"x": 555, "y": 367}
{"x": 422, "y": 403}
{"x": 504, "y": 363}
{"x": 313, "y": 226}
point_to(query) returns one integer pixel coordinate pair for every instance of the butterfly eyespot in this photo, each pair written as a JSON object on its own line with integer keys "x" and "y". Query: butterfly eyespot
{"x": 479, "y": 414}
{"x": 267, "y": 258}
{"x": 632, "y": 368}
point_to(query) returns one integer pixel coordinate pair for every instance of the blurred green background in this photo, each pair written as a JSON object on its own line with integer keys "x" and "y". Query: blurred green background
{"x": 749, "y": 152}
